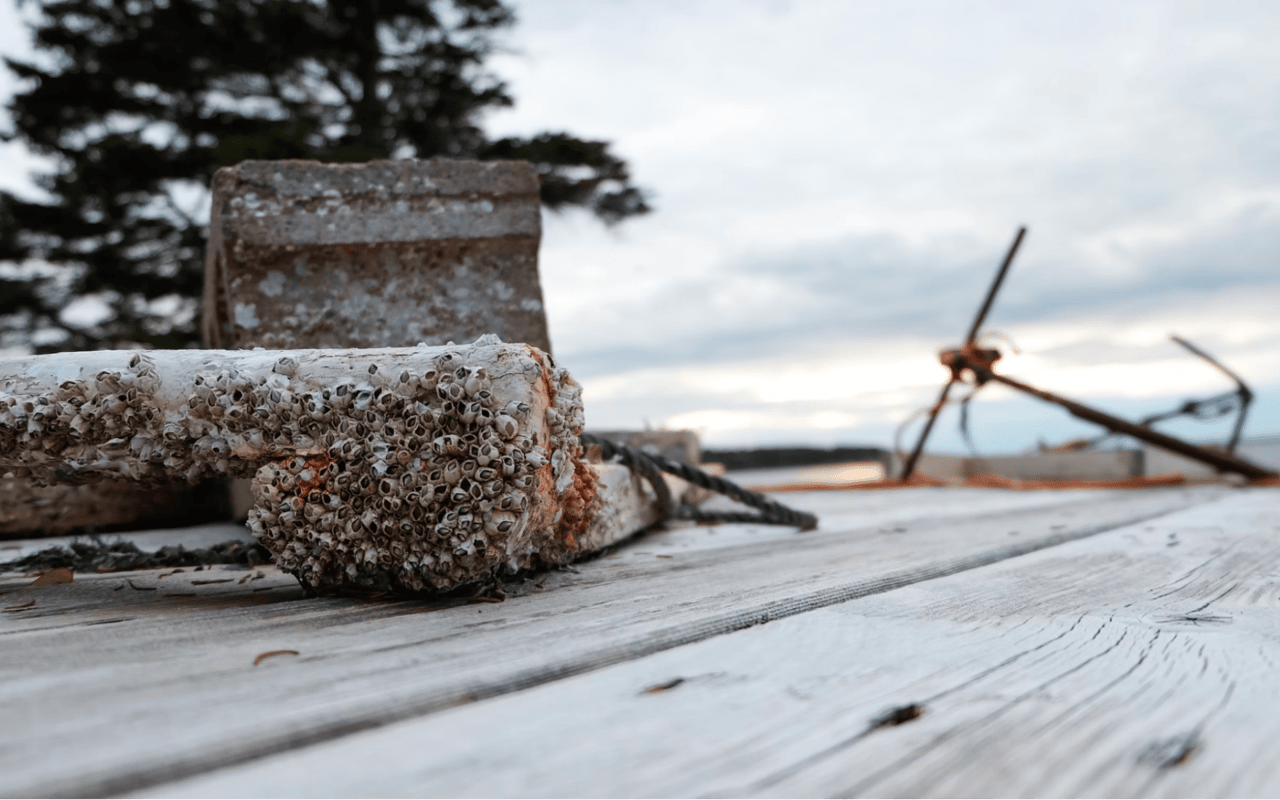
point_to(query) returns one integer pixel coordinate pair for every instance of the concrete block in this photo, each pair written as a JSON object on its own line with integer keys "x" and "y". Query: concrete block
{"x": 384, "y": 254}
{"x": 30, "y": 510}
{"x": 1098, "y": 466}
{"x": 1265, "y": 452}
{"x": 943, "y": 467}
{"x": 680, "y": 445}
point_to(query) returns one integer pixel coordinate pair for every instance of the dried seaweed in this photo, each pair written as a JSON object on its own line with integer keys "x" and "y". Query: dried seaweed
{"x": 96, "y": 555}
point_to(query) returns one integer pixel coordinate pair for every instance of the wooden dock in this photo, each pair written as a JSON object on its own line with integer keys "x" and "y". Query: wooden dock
{"x": 923, "y": 642}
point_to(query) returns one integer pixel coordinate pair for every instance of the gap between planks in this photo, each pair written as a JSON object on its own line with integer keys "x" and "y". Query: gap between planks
{"x": 194, "y": 709}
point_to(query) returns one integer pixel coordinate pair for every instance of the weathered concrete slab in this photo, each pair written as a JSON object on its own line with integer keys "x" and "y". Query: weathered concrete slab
{"x": 384, "y": 254}
{"x": 1264, "y": 451}
{"x": 1100, "y": 466}
{"x": 27, "y": 509}
{"x": 678, "y": 445}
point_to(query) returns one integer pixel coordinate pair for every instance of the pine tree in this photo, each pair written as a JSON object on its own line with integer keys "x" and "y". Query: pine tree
{"x": 139, "y": 102}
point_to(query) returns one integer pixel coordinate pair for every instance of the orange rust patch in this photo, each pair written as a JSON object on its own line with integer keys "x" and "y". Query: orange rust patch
{"x": 981, "y": 482}
{"x": 316, "y": 464}
{"x": 1001, "y": 482}
{"x": 887, "y": 483}
{"x": 579, "y": 503}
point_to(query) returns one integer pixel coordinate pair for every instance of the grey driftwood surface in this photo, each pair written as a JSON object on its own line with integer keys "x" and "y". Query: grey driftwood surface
{"x": 1039, "y": 689}
{"x": 1077, "y": 642}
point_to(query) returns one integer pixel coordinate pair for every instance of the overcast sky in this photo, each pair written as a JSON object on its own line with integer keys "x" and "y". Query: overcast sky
{"x": 835, "y": 184}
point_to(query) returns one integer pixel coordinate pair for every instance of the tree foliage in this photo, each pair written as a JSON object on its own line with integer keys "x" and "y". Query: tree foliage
{"x": 138, "y": 102}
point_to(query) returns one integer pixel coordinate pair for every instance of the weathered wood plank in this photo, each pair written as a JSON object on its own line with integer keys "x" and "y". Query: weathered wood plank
{"x": 1140, "y": 662}
{"x": 113, "y": 690}
{"x": 417, "y": 468}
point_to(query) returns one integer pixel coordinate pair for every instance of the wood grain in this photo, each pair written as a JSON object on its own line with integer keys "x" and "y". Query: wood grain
{"x": 1140, "y": 662}
{"x": 108, "y": 689}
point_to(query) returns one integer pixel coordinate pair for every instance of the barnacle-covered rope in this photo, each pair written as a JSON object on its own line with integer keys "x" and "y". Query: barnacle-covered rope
{"x": 650, "y": 465}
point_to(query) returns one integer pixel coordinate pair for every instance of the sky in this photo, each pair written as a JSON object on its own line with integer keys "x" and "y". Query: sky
{"x": 836, "y": 182}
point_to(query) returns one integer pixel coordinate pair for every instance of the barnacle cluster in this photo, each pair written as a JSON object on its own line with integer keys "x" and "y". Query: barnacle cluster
{"x": 408, "y": 472}
{"x": 425, "y": 480}
{"x": 85, "y": 429}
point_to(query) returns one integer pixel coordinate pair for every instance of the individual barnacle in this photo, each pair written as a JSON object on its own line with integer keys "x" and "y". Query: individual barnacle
{"x": 452, "y": 473}
{"x": 536, "y": 458}
{"x": 510, "y": 502}
{"x": 389, "y": 403}
{"x": 406, "y": 384}
{"x": 475, "y": 382}
{"x": 469, "y": 412}
{"x": 448, "y": 445}
{"x": 505, "y": 426}
{"x": 108, "y": 381}
{"x": 450, "y": 391}
{"x": 500, "y": 523}
{"x": 484, "y": 454}
{"x": 316, "y": 408}
{"x": 516, "y": 408}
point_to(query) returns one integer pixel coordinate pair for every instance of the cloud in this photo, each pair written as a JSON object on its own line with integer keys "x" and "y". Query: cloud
{"x": 836, "y": 184}
{"x": 879, "y": 287}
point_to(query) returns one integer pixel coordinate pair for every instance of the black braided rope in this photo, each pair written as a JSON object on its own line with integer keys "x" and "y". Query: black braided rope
{"x": 651, "y": 465}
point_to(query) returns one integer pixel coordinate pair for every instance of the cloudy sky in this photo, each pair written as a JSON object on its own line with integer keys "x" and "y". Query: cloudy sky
{"x": 836, "y": 182}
